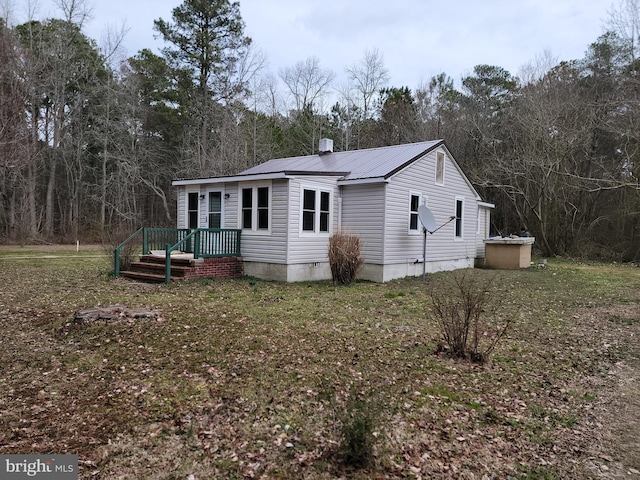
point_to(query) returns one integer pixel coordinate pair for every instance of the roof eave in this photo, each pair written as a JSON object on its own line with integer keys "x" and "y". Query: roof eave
{"x": 235, "y": 178}
{"x": 361, "y": 181}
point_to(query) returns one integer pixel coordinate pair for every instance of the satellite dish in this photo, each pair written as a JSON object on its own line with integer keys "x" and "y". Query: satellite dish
{"x": 426, "y": 218}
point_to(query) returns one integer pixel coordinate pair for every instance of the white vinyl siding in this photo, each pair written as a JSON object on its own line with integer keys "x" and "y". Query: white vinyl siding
{"x": 363, "y": 214}
{"x": 307, "y": 246}
{"x": 399, "y": 246}
{"x": 181, "y": 207}
{"x": 270, "y": 248}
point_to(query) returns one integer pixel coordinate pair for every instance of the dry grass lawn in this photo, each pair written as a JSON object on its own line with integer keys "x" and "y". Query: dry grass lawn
{"x": 251, "y": 379}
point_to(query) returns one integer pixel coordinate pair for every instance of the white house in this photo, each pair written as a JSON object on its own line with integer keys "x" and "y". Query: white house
{"x": 288, "y": 208}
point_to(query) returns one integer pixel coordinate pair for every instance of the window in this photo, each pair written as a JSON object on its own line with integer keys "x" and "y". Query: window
{"x": 263, "y": 208}
{"x": 316, "y": 211}
{"x": 439, "y": 168}
{"x": 247, "y": 208}
{"x": 255, "y": 208}
{"x": 414, "y": 203}
{"x": 308, "y": 210}
{"x": 324, "y": 211}
{"x": 193, "y": 209}
{"x": 458, "y": 218}
{"x": 215, "y": 209}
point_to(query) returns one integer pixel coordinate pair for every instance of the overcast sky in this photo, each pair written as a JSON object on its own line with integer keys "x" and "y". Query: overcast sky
{"x": 417, "y": 38}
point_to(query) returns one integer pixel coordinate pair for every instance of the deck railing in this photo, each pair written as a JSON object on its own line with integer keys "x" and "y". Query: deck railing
{"x": 201, "y": 242}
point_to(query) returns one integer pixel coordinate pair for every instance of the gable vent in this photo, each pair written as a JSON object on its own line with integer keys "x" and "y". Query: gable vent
{"x": 325, "y": 146}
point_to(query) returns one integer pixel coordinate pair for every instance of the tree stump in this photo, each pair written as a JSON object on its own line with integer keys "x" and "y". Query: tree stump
{"x": 114, "y": 313}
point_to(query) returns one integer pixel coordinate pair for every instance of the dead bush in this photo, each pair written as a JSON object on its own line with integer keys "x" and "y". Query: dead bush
{"x": 130, "y": 252}
{"x": 344, "y": 257}
{"x": 467, "y": 311}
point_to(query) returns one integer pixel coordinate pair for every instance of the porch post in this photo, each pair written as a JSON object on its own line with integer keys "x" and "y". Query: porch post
{"x": 167, "y": 264}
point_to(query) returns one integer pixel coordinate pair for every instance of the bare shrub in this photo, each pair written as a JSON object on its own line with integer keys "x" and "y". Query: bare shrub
{"x": 344, "y": 257}
{"x": 467, "y": 311}
{"x": 131, "y": 251}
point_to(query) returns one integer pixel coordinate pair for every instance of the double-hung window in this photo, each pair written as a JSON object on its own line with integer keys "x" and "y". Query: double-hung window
{"x": 459, "y": 218}
{"x": 316, "y": 211}
{"x": 255, "y": 208}
{"x": 414, "y": 203}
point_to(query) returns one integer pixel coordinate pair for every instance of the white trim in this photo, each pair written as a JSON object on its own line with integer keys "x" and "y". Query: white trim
{"x": 418, "y": 230}
{"x": 455, "y": 211}
{"x": 237, "y": 178}
{"x": 208, "y": 193}
{"x": 486, "y": 204}
{"x": 316, "y": 227}
{"x": 254, "y": 208}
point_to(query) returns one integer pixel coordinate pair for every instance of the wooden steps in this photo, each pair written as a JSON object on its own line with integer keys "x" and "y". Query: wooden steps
{"x": 151, "y": 269}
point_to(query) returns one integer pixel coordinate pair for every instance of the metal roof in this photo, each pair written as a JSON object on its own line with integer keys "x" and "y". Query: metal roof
{"x": 381, "y": 162}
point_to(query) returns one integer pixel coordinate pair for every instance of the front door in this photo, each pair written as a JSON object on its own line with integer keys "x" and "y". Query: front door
{"x": 212, "y": 241}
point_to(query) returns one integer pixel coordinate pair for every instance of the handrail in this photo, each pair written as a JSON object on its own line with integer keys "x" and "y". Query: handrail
{"x": 116, "y": 252}
{"x": 170, "y": 248}
{"x": 201, "y": 242}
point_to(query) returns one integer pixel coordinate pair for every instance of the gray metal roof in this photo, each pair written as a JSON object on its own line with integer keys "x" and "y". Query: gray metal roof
{"x": 381, "y": 162}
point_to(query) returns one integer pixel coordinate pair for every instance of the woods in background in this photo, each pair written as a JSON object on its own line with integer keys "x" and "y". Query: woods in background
{"x": 89, "y": 145}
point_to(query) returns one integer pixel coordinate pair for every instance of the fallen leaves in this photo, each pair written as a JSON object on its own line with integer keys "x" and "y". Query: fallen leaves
{"x": 246, "y": 380}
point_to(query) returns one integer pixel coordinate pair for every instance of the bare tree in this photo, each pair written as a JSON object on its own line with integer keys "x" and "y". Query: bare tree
{"x": 307, "y": 82}
{"x": 18, "y": 219}
{"x": 6, "y": 11}
{"x": 369, "y": 76}
{"x": 112, "y": 45}
{"x": 624, "y": 20}
{"x": 535, "y": 70}
{"x": 347, "y": 116}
